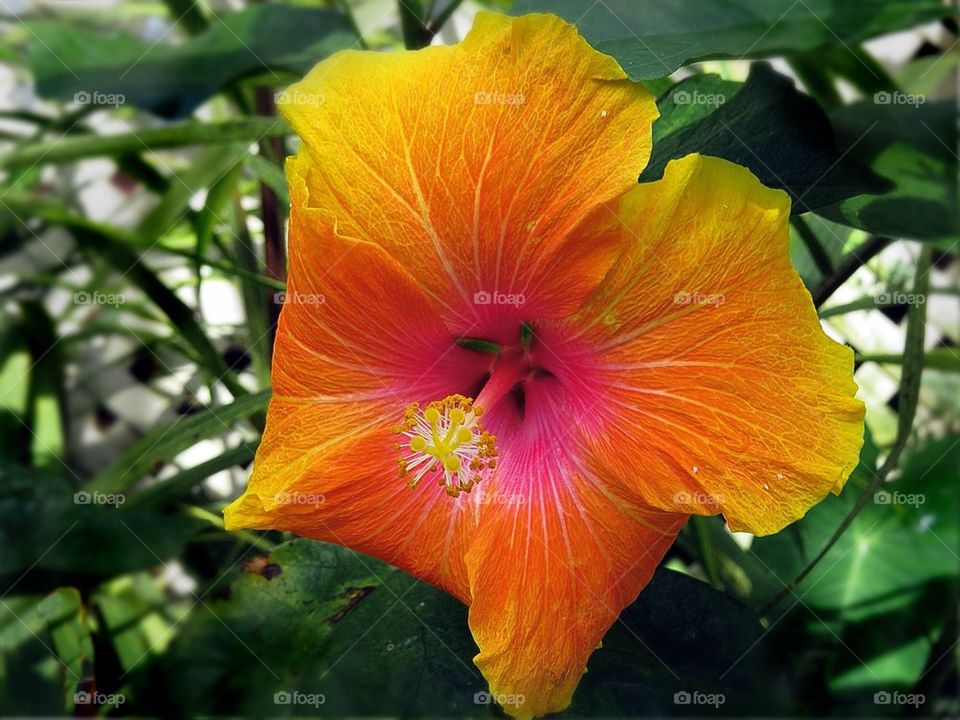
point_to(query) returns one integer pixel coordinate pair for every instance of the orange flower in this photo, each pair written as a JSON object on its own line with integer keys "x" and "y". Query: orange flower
{"x": 648, "y": 351}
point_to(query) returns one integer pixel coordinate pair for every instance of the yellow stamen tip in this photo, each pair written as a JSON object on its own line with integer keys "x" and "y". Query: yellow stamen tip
{"x": 444, "y": 439}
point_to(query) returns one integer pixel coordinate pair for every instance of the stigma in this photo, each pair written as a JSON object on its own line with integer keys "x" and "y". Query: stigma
{"x": 447, "y": 441}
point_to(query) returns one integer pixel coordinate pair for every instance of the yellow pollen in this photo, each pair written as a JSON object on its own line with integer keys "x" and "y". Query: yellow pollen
{"x": 445, "y": 439}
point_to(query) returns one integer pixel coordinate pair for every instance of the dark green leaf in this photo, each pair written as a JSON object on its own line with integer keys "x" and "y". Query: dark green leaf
{"x": 46, "y": 525}
{"x": 781, "y": 135}
{"x": 652, "y": 38}
{"x": 172, "y": 80}
{"x": 914, "y": 146}
{"x": 322, "y": 620}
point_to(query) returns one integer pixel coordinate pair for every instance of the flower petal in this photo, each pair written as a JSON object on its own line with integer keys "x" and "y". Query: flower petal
{"x": 722, "y": 392}
{"x": 474, "y": 164}
{"x": 557, "y": 556}
{"x": 357, "y": 342}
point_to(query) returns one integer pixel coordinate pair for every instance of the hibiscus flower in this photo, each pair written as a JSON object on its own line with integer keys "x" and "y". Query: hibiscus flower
{"x": 510, "y": 370}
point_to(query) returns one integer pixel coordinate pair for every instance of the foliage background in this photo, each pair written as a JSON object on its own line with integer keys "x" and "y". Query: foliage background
{"x": 142, "y": 212}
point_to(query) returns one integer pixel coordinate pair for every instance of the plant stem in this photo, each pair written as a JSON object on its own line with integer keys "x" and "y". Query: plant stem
{"x": 847, "y": 267}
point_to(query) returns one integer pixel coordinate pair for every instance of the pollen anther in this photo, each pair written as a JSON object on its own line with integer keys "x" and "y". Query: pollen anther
{"x": 446, "y": 439}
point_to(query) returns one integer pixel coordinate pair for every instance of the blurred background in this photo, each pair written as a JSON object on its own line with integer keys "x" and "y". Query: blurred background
{"x": 142, "y": 263}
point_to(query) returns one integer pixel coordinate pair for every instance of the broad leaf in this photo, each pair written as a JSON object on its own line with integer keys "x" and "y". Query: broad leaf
{"x": 172, "y": 80}
{"x": 914, "y": 146}
{"x": 324, "y": 621}
{"x": 46, "y": 525}
{"x": 766, "y": 125}
{"x": 652, "y": 38}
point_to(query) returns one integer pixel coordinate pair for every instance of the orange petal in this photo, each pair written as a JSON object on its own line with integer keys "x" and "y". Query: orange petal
{"x": 473, "y": 164}
{"x": 357, "y": 342}
{"x": 550, "y": 574}
{"x": 354, "y": 321}
{"x": 327, "y": 471}
{"x": 723, "y": 394}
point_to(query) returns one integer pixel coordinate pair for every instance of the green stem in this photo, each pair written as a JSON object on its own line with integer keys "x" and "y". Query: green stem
{"x": 261, "y": 543}
{"x": 847, "y": 267}
{"x": 707, "y": 554}
{"x": 70, "y": 149}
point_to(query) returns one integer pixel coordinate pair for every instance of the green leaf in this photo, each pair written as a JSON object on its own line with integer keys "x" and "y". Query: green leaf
{"x": 46, "y": 525}
{"x": 163, "y": 444}
{"x": 322, "y": 620}
{"x": 173, "y": 80}
{"x": 914, "y": 146}
{"x": 63, "y": 613}
{"x": 885, "y": 588}
{"x": 170, "y": 488}
{"x": 204, "y": 171}
{"x": 651, "y": 38}
{"x": 781, "y": 135}
{"x": 138, "y": 619}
